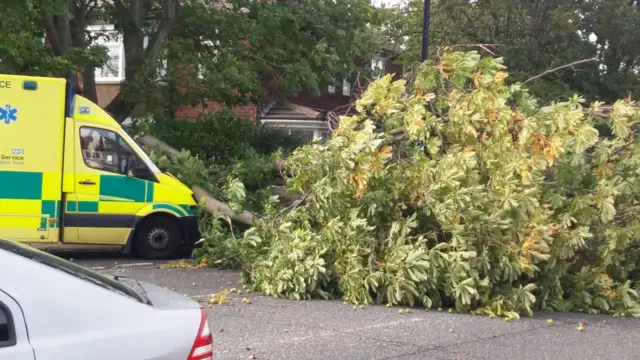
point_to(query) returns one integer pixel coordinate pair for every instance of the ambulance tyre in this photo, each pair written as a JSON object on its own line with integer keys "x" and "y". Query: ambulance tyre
{"x": 157, "y": 237}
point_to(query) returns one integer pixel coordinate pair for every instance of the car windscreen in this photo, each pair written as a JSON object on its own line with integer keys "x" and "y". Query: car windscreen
{"x": 70, "y": 268}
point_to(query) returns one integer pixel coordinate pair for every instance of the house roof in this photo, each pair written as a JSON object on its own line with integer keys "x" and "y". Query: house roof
{"x": 287, "y": 111}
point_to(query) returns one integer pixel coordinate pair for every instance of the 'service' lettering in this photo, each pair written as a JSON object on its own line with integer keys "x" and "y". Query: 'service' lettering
{"x": 12, "y": 157}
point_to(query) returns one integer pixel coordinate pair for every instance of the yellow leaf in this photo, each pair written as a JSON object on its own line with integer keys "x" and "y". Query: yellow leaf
{"x": 472, "y": 131}
{"x": 476, "y": 79}
{"x": 444, "y": 68}
{"x": 385, "y": 151}
{"x": 605, "y": 172}
{"x": 500, "y": 76}
{"x": 518, "y": 116}
{"x": 429, "y": 96}
{"x": 492, "y": 116}
{"x": 526, "y": 176}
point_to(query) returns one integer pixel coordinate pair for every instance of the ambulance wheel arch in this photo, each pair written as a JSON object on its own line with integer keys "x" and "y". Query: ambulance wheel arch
{"x": 158, "y": 235}
{"x": 173, "y": 226}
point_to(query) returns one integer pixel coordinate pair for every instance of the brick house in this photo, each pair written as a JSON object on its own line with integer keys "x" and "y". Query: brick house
{"x": 304, "y": 114}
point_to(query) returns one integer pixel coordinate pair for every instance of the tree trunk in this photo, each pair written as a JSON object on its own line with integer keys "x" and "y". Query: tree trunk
{"x": 67, "y": 32}
{"x": 89, "y": 84}
{"x": 211, "y": 204}
{"x": 215, "y": 206}
{"x": 131, "y": 18}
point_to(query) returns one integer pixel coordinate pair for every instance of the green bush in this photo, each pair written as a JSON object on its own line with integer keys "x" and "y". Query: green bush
{"x": 219, "y": 139}
{"x": 219, "y": 149}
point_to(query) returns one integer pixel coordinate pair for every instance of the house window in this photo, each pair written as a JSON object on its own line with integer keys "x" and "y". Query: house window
{"x": 346, "y": 88}
{"x": 214, "y": 46}
{"x": 305, "y": 135}
{"x": 377, "y": 66}
{"x": 331, "y": 89}
{"x": 113, "y": 70}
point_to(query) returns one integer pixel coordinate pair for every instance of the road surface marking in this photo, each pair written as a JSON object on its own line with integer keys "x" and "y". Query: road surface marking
{"x": 355, "y": 330}
{"x": 119, "y": 266}
{"x": 134, "y": 264}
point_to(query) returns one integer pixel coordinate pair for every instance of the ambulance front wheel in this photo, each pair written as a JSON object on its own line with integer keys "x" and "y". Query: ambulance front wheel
{"x": 157, "y": 238}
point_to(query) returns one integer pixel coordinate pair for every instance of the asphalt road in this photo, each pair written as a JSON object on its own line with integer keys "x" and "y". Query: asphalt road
{"x": 269, "y": 328}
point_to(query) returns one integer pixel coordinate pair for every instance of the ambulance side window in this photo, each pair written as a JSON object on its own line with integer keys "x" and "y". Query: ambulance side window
{"x": 105, "y": 150}
{"x": 99, "y": 149}
{"x": 141, "y": 170}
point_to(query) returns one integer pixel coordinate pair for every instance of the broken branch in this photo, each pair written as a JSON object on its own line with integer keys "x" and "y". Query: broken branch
{"x": 211, "y": 204}
{"x": 547, "y": 72}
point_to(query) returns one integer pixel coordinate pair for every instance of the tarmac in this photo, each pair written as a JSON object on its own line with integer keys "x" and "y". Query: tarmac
{"x": 253, "y": 326}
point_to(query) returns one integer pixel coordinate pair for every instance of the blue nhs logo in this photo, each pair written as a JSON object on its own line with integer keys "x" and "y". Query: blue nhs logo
{"x": 17, "y": 151}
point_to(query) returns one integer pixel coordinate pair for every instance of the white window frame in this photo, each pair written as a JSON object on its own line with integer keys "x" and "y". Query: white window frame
{"x": 215, "y": 51}
{"x": 331, "y": 89}
{"x": 378, "y": 67}
{"x": 346, "y": 88}
{"x": 318, "y": 127}
{"x": 111, "y": 44}
{"x": 317, "y": 134}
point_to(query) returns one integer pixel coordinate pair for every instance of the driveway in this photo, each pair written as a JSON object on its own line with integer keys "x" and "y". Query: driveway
{"x": 252, "y": 326}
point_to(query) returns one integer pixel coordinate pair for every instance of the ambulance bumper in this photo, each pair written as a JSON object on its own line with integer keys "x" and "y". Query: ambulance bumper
{"x": 189, "y": 226}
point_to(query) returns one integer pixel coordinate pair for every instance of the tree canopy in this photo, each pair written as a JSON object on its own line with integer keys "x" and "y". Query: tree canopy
{"x": 537, "y": 35}
{"x": 220, "y": 50}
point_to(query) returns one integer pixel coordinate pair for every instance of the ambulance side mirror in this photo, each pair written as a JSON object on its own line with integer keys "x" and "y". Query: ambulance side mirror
{"x": 127, "y": 166}
{"x": 124, "y": 166}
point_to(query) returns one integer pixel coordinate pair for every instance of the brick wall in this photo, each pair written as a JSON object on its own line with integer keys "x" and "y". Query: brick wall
{"x": 106, "y": 93}
{"x": 192, "y": 112}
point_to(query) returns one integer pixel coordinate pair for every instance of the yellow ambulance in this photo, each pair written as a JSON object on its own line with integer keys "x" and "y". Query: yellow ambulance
{"x": 71, "y": 177}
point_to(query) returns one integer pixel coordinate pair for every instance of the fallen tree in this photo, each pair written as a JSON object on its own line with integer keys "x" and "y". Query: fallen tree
{"x": 458, "y": 190}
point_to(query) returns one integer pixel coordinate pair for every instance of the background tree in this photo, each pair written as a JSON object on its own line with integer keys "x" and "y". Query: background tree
{"x": 226, "y": 51}
{"x": 23, "y": 49}
{"x": 235, "y": 52}
{"x": 537, "y": 35}
{"x": 615, "y": 26}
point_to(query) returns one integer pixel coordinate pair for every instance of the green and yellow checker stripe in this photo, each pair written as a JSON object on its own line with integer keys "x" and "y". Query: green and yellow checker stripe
{"x": 29, "y": 200}
{"x": 114, "y": 194}
{"x": 32, "y": 199}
